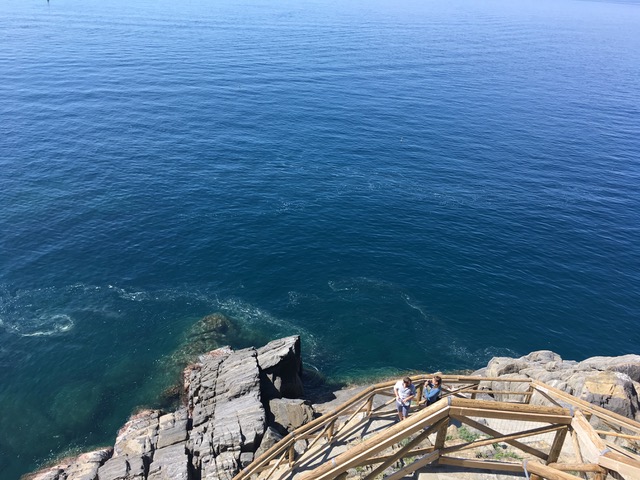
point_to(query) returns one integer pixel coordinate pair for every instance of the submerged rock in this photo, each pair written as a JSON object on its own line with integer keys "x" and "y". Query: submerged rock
{"x": 208, "y": 333}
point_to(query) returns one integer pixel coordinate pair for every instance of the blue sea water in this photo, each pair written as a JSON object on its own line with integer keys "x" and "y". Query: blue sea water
{"x": 406, "y": 184}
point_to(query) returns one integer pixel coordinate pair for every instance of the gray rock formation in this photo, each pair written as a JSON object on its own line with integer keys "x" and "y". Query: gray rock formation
{"x": 609, "y": 382}
{"x": 288, "y": 414}
{"x": 271, "y": 437}
{"x": 84, "y": 467}
{"x": 281, "y": 366}
{"x": 211, "y": 438}
{"x": 239, "y": 404}
{"x": 228, "y": 415}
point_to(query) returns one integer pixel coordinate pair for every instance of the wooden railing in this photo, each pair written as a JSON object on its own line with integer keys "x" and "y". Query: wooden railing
{"x": 527, "y": 401}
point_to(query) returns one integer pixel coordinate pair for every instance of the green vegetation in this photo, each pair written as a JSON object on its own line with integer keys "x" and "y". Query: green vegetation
{"x": 499, "y": 452}
{"x": 467, "y": 435}
{"x": 505, "y": 455}
{"x": 404, "y": 442}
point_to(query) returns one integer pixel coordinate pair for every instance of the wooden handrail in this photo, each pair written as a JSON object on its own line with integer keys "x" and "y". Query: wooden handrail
{"x": 548, "y": 472}
{"x": 600, "y": 412}
{"x": 379, "y": 388}
{"x": 364, "y": 452}
{"x": 508, "y": 407}
{"x": 379, "y": 442}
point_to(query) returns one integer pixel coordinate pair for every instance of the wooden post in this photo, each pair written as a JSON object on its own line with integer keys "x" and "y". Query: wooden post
{"x": 369, "y": 406}
{"x": 476, "y": 386}
{"x": 480, "y": 464}
{"x": 530, "y": 390}
{"x": 543, "y": 391}
{"x": 635, "y": 438}
{"x": 330, "y": 430}
{"x": 275, "y": 466}
{"x": 556, "y": 447}
{"x": 292, "y": 454}
{"x": 606, "y": 415}
{"x": 442, "y": 435}
{"x": 581, "y": 468}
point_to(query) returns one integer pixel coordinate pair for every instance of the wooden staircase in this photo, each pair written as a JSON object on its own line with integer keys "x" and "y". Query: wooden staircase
{"x": 529, "y": 429}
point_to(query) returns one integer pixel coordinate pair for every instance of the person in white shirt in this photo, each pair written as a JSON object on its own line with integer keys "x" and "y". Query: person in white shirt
{"x": 405, "y": 391}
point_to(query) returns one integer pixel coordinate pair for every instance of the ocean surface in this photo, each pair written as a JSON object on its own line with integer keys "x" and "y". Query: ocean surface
{"x": 408, "y": 185}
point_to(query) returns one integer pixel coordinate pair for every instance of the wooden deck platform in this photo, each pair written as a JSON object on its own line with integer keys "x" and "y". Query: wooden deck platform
{"x": 528, "y": 430}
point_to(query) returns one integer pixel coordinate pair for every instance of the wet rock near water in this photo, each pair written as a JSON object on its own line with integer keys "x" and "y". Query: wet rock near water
{"x": 240, "y": 403}
{"x": 218, "y": 430}
{"x": 83, "y": 467}
{"x": 210, "y": 332}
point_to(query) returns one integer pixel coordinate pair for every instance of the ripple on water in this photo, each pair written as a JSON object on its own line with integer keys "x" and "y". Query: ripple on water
{"x": 34, "y": 313}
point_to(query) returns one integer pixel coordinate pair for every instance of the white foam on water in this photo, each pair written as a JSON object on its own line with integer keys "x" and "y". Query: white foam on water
{"x": 249, "y": 314}
{"x": 48, "y": 325}
{"x": 339, "y": 287}
{"x": 296, "y": 297}
{"x": 8, "y": 327}
{"x": 136, "y": 296}
{"x": 356, "y": 284}
{"x": 432, "y": 319}
{"x": 259, "y": 319}
{"x": 411, "y": 303}
{"x": 42, "y": 326}
{"x": 50, "y": 311}
{"x": 35, "y": 313}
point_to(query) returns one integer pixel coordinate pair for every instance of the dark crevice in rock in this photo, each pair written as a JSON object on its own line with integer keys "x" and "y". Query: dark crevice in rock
{"x": 193, "y": 472}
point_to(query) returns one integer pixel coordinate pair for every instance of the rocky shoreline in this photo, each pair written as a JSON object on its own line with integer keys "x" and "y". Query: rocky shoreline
{"x": 237, "y": 404}
{"x": 612, "y": 383}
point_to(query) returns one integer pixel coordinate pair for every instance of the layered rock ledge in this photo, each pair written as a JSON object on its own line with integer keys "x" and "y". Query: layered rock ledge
{"x": 239, "y": 403}
{"x": 227, "y": 413}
